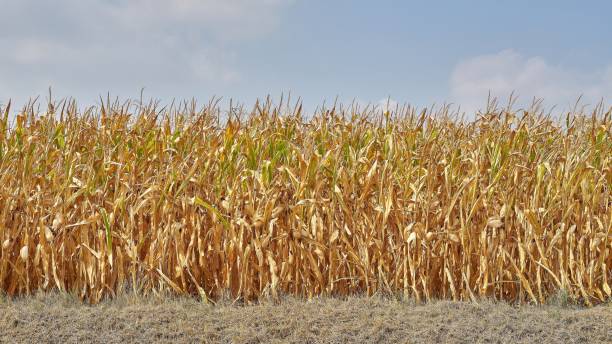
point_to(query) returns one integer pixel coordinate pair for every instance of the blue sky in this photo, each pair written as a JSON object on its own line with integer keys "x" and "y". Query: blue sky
{"x": 416, "y": 52}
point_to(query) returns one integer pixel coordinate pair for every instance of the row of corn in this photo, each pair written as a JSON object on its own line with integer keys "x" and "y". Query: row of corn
{"x": 270, "y": 201}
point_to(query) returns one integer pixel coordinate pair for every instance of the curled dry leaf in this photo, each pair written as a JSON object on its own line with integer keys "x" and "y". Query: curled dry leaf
{"x": 495, "y": 222}
{"x": 23, "y": 253}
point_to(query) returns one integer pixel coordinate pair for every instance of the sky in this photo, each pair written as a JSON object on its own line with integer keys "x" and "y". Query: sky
{"x": 416, "y": 52}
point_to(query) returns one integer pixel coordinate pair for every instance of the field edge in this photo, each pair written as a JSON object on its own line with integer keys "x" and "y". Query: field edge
{"x": 59, "y": 317}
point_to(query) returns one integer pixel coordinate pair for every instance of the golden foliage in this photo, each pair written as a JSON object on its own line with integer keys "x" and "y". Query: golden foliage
{"x": 511, "y": 205}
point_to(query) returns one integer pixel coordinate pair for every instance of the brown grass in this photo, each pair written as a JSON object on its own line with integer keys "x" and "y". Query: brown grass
{"x": 58, "y": 318}
{"x": 511, "y": 205}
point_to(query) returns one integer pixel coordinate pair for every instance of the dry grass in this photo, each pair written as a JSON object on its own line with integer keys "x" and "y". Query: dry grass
{"x": 59, "y": 318}
{"x": 512, "y": 205}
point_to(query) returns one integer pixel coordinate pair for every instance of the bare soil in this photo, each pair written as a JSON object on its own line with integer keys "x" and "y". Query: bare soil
{"x": 59, "y": 318}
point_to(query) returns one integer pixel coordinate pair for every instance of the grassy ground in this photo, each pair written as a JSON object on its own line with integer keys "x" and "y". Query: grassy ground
{"x": 60, "y": 318}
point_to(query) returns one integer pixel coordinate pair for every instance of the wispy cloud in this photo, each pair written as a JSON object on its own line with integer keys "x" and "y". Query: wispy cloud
{"x": 230, "y": 19}
{"x": 88, "y": 47}
{"x": 509, "y": 71}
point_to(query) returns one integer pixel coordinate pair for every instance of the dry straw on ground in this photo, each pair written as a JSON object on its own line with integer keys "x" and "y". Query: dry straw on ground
{"x": 510, "y": 205}
{"x": 59, "y": 318}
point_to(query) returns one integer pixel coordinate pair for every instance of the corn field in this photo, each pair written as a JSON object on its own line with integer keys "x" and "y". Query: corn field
{"x": 510, "y": 205}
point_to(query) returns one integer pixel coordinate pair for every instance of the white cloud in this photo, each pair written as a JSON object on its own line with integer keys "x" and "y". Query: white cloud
{"x": 84, "y": 48}
{"x": 508, "y": 71}
{"x": 34, "y": 51}
{"x": 226, "y": 19}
